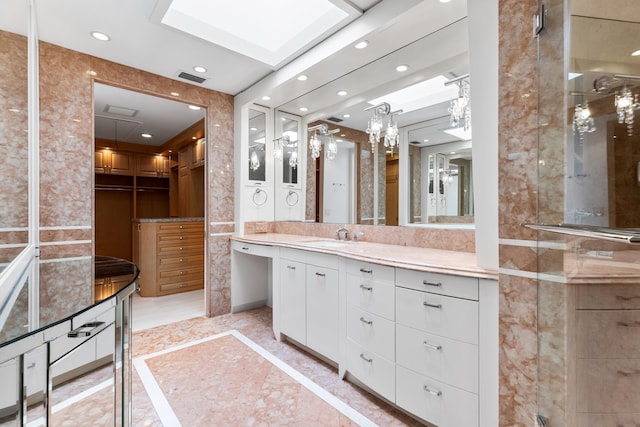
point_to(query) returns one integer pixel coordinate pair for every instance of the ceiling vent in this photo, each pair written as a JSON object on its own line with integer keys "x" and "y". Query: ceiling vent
{"x": 334, "y": 119}
{"x": 120, "y": 111}
{"x": 191, "y": 77}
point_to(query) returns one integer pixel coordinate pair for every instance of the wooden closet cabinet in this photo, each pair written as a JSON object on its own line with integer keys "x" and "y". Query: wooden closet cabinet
{"x": 170, "y": 255}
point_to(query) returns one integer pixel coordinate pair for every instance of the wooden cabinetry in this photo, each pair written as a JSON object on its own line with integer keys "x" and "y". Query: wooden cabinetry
{"x": 113, "y": 162}
{"x": 309, "y": 300}
{"x": 152, "y": 165}
{"x": 170, "y": 256}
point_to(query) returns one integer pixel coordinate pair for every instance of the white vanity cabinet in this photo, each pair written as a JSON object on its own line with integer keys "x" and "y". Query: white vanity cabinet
{"x": 309, "y": 300}
{"x": 437, "y": 351}
{"x": 370, "y": 321}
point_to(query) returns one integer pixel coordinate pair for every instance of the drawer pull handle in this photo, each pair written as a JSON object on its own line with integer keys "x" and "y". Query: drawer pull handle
{"x": 625, "y": 298}
{"x": 181, "y": 238}
{"x": 426, "y": 282}
{"x": 85, "y": 330}
{"x": 426, "y": 304}
{"x": 183, "y": 273}
{"x": 244, "y": 248}
{"x": 180, "y": 248}
{"x": 181, "y": 227}
{"x": 362, "y": 270}
{"x": 31, "y": 365}
{"x": 365, "y": 358}
{"x": 432, "y": 346}
{"x": 629, "y": 324}
{"x": 368, "y": 322}
{"x": 432, "y": 391}
{"x": 366, "y": 288}
{"x": 291, "y": 267}
{"x": 320, "y": 274}
{"x": 629, "y": 373}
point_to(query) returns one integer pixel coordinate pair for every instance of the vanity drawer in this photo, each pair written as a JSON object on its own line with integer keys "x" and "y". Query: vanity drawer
{"x": 173, "y": 262}
{"x": 372, "y": 332}
{"x": 443, "y": 284}
{"x": 372, "y": 370}
{"x": 372, "y": 295}
{"x": 611, "y": 297}
{"x": 608, "y": 333}
{"x": 449, "y": 361}
{"x": 311, "y": 257}
{"x": 437, "y": 314}
{"x": 181, "y": 286}
{"x": 369, "y": 271}
{"x": 434, "y": 401}
{"x": 170, "y": 248}
{"x": 608, "y": 385}
{"x": 173, "y": 227}
{"x": 252, "y": 249}
{"x": 180, "y": 273}
{"x": 177, "y": 238}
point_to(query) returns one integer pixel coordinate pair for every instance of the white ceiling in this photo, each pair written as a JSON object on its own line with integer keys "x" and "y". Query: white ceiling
{"x": 140, "y": 41}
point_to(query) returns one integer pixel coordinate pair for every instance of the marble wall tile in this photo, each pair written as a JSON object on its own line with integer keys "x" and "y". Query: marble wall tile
{"x": 13, "y": 135}
{"x": 67, "y": 148}
{"x": 219, "y": 292}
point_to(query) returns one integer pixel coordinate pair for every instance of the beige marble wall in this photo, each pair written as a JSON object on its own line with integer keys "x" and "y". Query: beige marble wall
{"x": 66, "y": 138}
{"x": 518, "y": 161}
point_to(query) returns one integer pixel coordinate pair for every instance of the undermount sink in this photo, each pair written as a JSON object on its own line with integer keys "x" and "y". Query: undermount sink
{"x": 327, "y": 243}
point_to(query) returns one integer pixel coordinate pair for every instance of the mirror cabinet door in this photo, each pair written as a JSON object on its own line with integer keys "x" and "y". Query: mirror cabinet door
{"x": 257, "y": 148}
{"x": 288, "y": 159}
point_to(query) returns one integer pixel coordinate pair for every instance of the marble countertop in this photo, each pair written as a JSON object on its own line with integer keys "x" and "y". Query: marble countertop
{"x": 190, "y": 219}
{"x": 414, "y": 258}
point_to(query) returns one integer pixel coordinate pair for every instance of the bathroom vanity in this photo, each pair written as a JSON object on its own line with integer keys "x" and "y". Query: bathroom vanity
{"x": 415, "y": 326}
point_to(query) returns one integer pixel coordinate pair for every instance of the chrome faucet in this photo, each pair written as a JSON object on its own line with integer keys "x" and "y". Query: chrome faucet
{"x": 357, "y": 236}
{"x": 342, "y": 230}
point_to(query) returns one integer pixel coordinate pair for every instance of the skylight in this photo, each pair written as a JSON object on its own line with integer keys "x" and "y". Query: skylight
{"x": 420, "y": 95}
{"x": 268, "y": 31}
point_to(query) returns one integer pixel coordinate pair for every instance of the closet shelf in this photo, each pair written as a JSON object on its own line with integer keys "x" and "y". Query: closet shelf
{"x": 621, "y": 235}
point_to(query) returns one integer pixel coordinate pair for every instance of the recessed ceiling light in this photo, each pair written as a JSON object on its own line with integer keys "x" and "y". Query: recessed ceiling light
{"x": 346, "y": 116}
{"x": 146, "y": 135}
{"x": 302, "y": 77}
{"x": 453, "y": 152}
{"x": 425, "y": 140}
{"x": 194, "y": 137}
{"x": 445, "y": 1}
{"x": 402, "y": 68}
{"x": 636, "y": 53}
{"x": 342, "y": 92}
{"x": 253, "y": 129}
{"x": 303, "y": 109}
{"x": 100, "y": 36}
{"x": 199, "y": 69}
{"x": 193, "y": 107}
{"x": 175, "y": 94}
{"x": 362, "y": 44}
{"x": 266, "y": 98}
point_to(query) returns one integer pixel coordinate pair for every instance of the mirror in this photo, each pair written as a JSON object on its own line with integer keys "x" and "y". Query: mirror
{"x": 257, "y": 139}
{"x": 603, "y": 139}
{"x": 290, "y": 130}
{"x": 13, "y": 137}
{"x": 424, "y": 98}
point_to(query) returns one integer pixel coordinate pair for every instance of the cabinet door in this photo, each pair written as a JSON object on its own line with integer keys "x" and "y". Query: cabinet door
{"x": 197, "y": 153}
{"x": 293, "y": 300}
{"x": 322, "y": 311}
{"x": 121, "y": 163}
{"x": 151, "y": 165}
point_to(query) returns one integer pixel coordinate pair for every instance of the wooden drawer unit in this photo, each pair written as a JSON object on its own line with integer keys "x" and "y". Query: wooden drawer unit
{"x": 374, "y": 333}
{"x": 443, "y": 359}
{"x": 449, "y": 317}
{"x": 443, "y": 284}
{"x": 170, "y": 256}
{"x": 372, "y": 370}
{"x": 434, "y": 401}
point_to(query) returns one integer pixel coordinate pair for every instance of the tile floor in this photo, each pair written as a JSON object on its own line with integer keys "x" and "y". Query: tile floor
{"x": 256, "y": 326}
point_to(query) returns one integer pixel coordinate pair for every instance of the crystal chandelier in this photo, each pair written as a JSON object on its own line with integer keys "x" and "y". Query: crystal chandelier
{"x": 332, "y": 148}
{"x": 374, "y": 127}
{"x": 460, "y": 107}
{"x": 626, "y": 103}
{"x": 315, "y": 143}
{"x": 293, "y": 158}
{"x": 582, "y": 120}
{"x": 391, "y": 133}
{"x": 279, "y": 145}
{"x": 254, "y": 161}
